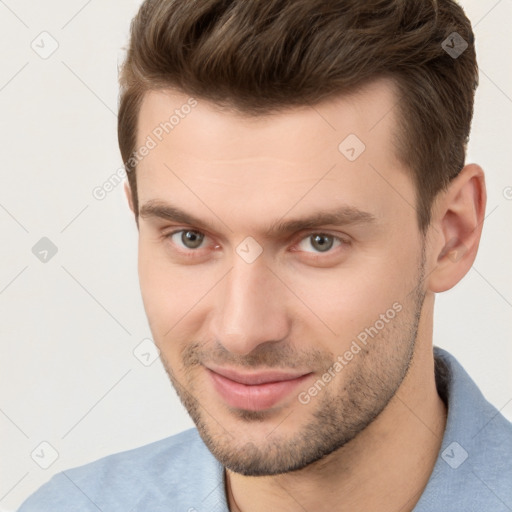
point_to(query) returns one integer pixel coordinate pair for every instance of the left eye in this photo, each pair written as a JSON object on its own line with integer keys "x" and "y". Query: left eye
{"x": 189, "y": 238}
{"x": 320, "y": 242}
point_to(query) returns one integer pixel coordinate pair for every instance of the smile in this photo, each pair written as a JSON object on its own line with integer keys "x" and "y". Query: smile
{"x": 254, "y": 391}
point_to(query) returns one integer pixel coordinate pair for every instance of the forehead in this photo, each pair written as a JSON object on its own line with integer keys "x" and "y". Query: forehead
{"x": 337, "y": 152}
{"x": 366, "y": 110}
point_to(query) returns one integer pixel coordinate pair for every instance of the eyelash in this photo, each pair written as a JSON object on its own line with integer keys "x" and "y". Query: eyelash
{"x": 342, "y": 242}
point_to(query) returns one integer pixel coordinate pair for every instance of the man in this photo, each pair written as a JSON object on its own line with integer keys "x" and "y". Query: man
{"x": 297, "y": 174}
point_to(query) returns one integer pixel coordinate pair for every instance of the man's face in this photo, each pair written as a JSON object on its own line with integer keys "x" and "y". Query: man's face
{"x": 283, "y": 344}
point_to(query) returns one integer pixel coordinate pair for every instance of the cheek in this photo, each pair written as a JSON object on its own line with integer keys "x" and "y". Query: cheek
{"x": 163, "y": 289}
{"x": 164, "y": 304}
{"x": 174, "y": 296}
{"x": 351, "y": 298}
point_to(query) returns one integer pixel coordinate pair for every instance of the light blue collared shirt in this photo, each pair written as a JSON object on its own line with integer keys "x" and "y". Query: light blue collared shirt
{"x": 473, "y": 471}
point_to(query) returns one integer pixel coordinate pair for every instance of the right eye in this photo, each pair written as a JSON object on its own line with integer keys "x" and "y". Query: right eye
{"x": 188, "y": 238}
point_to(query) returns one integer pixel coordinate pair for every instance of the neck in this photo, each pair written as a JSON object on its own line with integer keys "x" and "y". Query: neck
{"x": 386, "y": 467}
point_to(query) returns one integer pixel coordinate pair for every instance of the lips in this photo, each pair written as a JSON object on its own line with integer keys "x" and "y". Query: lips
{"x": 254, "y": 391}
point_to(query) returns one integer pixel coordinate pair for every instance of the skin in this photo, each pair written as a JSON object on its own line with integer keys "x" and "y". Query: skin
{"x": 370, "y": 438}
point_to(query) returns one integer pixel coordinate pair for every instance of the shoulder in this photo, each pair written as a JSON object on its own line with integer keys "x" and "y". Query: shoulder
{"x": 122, "y": 481}
{"x": 474, "y": 467}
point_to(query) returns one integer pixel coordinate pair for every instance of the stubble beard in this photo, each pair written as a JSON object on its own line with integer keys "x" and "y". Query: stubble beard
{"x": 343, "y": 409}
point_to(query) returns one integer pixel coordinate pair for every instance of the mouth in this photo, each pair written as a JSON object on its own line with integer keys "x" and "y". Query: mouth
{"x": 256, "y": 391}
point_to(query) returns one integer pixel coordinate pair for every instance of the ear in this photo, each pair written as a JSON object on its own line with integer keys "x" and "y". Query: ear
{"x": 129, "y": 197}
{"x": 456, "y": 228}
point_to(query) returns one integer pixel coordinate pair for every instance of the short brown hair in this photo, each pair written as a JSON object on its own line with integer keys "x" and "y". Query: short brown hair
{"x": 262, "y": 56}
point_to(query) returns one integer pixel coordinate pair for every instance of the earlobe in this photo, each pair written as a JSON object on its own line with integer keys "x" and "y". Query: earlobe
{"x": 128, "y": 193}
{"x": 457, "y": 221}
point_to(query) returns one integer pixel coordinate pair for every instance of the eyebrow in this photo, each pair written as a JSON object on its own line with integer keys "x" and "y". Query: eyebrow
{"x": 341, "y": 216}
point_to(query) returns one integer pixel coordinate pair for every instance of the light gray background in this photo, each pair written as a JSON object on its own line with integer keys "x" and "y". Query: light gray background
{"x": 69, "y": 326}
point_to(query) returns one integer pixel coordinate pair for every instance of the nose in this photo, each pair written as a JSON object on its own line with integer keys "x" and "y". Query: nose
{"x": 251, "y": 308}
